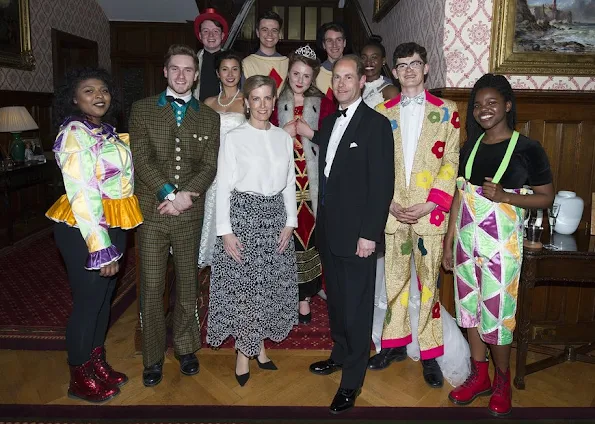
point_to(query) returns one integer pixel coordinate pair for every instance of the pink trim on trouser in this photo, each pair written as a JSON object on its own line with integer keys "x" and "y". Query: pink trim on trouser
{"x": 404, "y": 341}
{"x": 432, "y": 353}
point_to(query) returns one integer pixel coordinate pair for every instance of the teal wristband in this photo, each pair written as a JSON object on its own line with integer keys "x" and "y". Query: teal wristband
{"x": 164, "y": 191}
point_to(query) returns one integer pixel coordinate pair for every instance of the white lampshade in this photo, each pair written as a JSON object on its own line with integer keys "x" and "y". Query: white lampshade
{"x": 16, "y": 119}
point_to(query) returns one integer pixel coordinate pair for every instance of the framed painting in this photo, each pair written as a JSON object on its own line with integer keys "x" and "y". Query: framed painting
{"x": 543, "y": 37}
{"x": 15, "y": 35}
{"x": 381, "y": 8}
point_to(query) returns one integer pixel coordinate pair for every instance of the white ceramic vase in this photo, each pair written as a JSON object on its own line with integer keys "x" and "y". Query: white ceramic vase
{"x": 571, "y": 211}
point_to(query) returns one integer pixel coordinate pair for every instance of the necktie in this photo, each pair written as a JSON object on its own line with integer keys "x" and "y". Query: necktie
{"x": 419, "y": 99}
{"x": 340, "y": 113}
{"x": 175, "y": 99}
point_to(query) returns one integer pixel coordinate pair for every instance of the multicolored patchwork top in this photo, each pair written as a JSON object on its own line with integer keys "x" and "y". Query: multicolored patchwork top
{"x": 435, "y": 164}
{"x": 98, "y": 174}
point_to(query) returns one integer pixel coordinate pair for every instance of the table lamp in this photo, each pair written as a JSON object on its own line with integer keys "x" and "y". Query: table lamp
{"x": 15, "y": 119}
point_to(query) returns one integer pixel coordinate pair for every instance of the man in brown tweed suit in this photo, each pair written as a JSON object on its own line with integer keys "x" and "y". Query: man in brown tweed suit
{"x": 174, "y": 141}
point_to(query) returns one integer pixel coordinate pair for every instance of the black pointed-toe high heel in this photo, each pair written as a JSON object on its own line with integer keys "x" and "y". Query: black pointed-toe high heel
{"x": 243, "y": 379}
{"x": 269, "y": 365}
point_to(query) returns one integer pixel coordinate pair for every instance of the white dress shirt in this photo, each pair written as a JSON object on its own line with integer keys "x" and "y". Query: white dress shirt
{"x": 411, "y": 122}
{"x": 170, "y": 92}
{"x": 257, "y": 162}
{"x": 337, "y": 134}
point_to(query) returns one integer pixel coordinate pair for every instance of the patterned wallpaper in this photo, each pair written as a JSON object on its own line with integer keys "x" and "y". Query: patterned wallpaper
{"x": 421, "y": 21}
{"x": 83, "y": 18}
{"x": 467, "y": 32}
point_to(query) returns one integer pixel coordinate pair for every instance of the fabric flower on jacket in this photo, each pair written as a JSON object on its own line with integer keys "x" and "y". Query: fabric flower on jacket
{"x": 456, "y": 120}
{"x": 438, "y": 149}
{"x": 446, "y": 172}
{"x": 436, "y": 310}
{"x": 437, "y": 217}
{"x": 424, "y": 179}
{"x": 434, "y": 117}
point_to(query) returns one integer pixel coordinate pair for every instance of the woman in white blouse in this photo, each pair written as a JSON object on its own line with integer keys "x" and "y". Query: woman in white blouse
{"x": 254, "y": 290}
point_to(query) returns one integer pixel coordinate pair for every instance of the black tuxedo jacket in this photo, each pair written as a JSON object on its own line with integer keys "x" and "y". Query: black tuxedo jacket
{"x": 354, "y": 201}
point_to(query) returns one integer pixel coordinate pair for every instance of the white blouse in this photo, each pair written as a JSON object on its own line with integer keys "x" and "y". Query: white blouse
{"x": 258, "y": 162}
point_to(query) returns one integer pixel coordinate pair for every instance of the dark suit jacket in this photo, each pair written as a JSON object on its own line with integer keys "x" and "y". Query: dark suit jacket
{"x": 359, "y": 189}
{"x": 154, "y": 140}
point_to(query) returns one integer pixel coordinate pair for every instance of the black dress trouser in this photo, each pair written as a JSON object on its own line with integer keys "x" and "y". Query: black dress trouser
{"x": 91, "y": 293}
{"x": 350, "y": 283}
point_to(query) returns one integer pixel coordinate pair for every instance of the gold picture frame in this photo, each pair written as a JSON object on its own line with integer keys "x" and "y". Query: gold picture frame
{"x": 381, "y": 8}
{"x": 16, "y": 52}
{"x": 505, "y": 60}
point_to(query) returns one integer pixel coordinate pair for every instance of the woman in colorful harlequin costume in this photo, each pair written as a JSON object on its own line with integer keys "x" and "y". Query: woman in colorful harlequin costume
{"x": 91, "y": 219}
{"x": 301, "y": 100}
{"x": 484, "y": 245}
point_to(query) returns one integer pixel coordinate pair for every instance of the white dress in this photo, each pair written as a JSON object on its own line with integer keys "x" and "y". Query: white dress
{"x": 229, "y": 121}
{"x": 372, "y": 94}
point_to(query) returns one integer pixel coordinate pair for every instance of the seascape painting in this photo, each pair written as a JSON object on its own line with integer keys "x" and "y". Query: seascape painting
{"x": 555, "y": 26}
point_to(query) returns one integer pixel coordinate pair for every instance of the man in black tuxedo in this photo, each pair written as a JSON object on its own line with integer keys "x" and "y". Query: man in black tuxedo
{"x": 356, "y": 169}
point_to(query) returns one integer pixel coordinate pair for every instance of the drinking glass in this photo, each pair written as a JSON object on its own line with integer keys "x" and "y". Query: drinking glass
{"x": 552, "y": 214}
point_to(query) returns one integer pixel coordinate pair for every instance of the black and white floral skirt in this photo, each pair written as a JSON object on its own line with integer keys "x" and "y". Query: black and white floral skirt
{"x": 257, "y": 299}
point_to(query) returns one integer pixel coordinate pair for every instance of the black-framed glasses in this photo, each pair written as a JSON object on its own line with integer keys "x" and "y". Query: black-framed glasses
{"x": 416, "y": 64}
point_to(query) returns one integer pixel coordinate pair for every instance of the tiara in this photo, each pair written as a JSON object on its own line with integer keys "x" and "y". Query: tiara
{"x": 306, "y": 51}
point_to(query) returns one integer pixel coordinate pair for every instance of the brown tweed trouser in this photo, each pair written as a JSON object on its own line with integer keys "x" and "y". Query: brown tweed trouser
{"x": 155, "y": 238}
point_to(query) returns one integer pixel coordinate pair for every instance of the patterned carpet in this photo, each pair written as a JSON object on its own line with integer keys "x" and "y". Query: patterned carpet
{"x": 315, "y": 335}
{"x": 173, "y": 414}
{"x": 35, "y": 301}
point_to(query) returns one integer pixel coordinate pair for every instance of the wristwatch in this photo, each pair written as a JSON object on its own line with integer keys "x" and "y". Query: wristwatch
{"x": 172, "y": 196}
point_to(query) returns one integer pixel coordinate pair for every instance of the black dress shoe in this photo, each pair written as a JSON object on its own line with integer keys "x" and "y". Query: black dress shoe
{"x": 189, "y": 364}
{"x": 305, "y": 319}
{"x": 432, "y": 373}
{"x": 344, "y": 400}
{"x": 386, "y": 356}
{"x": 243, "y": 379}
{"x": 325, "y": 367}
{"x": 152, "y": 375}
{"x": 269, "y": 365}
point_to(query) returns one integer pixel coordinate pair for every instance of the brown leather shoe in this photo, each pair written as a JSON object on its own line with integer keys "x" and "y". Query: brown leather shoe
{"x": 86, "y": 386}
{"x": 104, "y": 371}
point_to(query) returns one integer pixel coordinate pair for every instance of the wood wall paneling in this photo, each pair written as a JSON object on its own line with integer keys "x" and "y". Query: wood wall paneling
{"x": 137, "y": 55}
{"x": 564, "y": 123}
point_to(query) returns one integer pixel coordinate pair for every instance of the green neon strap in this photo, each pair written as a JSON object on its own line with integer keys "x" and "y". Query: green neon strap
{"x": 505, "y": 160}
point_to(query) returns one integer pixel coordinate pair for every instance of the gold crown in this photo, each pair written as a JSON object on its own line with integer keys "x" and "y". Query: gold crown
{"x": 306, "y": 51}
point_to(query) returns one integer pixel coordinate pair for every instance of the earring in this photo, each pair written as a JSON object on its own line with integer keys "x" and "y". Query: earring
{"x": 220, "y": 87}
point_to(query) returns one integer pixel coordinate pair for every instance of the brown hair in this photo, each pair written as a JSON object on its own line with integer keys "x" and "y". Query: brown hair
{"x": 312, "y": 91}
{"x": 180, "y": 49}
{"x": 359, "y": 65}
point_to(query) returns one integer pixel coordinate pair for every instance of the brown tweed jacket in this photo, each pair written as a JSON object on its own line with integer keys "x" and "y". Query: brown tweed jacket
{"x": 165, "y": 153}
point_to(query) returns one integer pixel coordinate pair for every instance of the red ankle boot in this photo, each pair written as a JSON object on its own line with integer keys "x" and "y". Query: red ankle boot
{"x": 477, "y": 384}
{"x": 501, "y": 400}
{"x": 104, "y": 371}
{"x": 86, "y": 386}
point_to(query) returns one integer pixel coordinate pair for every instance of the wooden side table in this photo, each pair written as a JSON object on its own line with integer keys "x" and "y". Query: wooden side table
{"x": 556, "y": 268}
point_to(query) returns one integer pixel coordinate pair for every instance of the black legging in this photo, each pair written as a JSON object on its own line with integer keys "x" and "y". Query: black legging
{"x": 91, "y": 293}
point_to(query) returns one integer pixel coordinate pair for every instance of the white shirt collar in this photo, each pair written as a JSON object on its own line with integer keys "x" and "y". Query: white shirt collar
{"x": 351, "y": 109}
{"x": 170, "y": 92}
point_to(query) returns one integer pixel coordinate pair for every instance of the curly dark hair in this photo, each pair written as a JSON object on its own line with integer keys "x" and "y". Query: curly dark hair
{"x": 64, "y": 106}
{"x": 500, "y": 84}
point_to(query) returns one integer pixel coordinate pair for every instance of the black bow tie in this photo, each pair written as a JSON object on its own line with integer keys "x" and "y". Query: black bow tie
{"x": 175, "y": 99}
{"x": 342, "y": 112}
